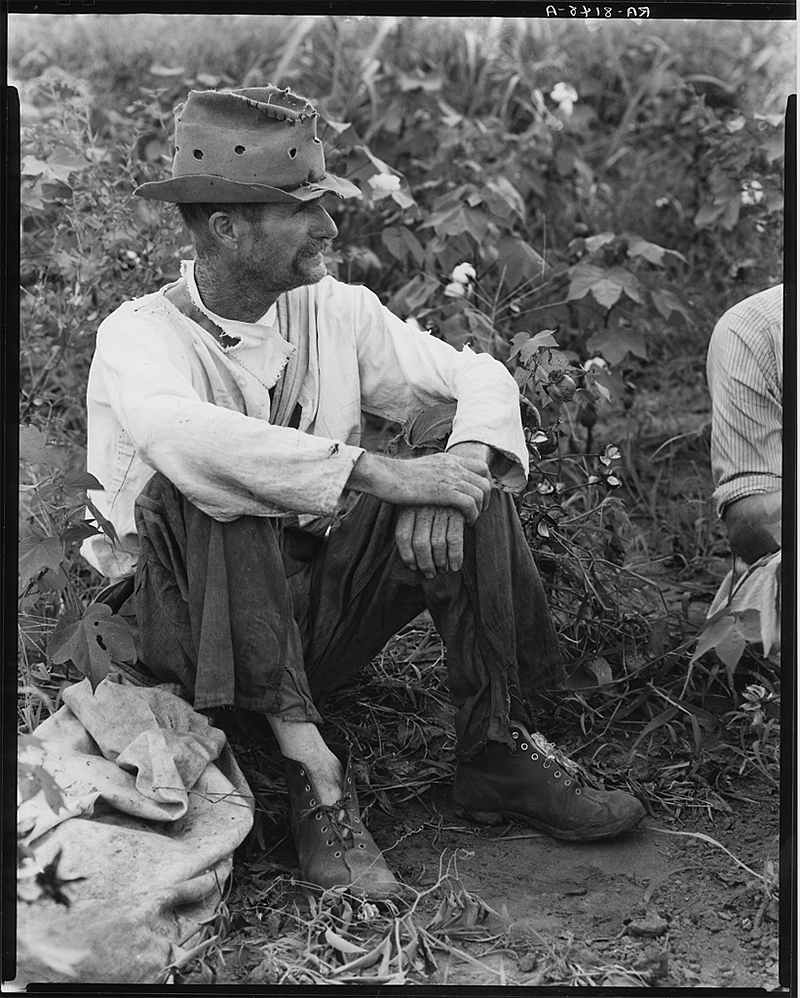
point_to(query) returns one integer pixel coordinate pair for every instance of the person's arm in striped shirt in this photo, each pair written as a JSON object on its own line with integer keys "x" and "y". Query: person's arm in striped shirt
{"x": 745, "y": 377}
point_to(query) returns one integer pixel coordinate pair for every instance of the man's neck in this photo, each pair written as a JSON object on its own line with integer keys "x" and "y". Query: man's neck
{"x": 227, "y": 295}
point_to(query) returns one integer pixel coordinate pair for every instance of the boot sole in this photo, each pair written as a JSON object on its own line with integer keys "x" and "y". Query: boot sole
{"x": 565, "y": 834}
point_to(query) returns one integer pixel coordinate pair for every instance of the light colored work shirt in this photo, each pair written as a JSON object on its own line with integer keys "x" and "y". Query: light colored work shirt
{"x": 745, "y": 377}
{"x": 163, "y": 395}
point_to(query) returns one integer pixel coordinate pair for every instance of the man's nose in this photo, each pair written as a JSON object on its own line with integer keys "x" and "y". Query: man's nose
{"x": 324, "y": 225}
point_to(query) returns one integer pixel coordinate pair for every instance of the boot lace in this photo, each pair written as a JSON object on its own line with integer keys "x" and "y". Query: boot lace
{"x": 554, "y": 754}
{"x": 338, "y": 816}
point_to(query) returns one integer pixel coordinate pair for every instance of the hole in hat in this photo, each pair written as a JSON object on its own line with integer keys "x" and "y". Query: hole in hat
{"x": 198, "y": 154}
{"x": 292, "y": 152}
{"x": 239, "y": 150}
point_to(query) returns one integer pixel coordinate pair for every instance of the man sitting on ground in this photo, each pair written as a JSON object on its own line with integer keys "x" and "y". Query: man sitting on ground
{"x": 224, "y": 423}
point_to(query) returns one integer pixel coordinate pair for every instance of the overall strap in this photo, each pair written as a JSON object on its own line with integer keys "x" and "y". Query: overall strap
{"x": 294, "y": 323}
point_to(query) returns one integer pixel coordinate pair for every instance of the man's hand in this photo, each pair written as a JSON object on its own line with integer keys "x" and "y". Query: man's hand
{"x": 430, "y": 539}
{"x": 455, "y": 482}
{"x": 754, "y": 525}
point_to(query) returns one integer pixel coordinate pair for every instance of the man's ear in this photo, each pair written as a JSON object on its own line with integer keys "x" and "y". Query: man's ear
{"x": 224, "y": 230}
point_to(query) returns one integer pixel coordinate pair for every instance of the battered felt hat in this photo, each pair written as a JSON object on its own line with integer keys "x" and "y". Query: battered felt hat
{"x": 254, "y": 145}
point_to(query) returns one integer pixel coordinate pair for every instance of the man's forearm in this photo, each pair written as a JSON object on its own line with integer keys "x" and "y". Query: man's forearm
{"x": 462, "y": 482}
{"x": 371, "y": 474}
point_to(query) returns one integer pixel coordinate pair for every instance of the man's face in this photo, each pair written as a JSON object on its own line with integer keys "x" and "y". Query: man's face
{"x": 284, "y": 248}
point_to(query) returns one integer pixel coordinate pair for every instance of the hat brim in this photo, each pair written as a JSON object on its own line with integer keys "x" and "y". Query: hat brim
{"x": 206, "y": 189}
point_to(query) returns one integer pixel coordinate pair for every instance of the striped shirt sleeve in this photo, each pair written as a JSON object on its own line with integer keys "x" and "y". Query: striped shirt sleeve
{"x": 745, "y": 378}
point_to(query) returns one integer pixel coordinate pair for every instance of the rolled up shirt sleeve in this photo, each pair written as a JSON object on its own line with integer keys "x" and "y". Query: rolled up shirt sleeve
{"x": 745, "y": 382}
{"x": 404, "y": 370}
{"x": 227, "y": 463}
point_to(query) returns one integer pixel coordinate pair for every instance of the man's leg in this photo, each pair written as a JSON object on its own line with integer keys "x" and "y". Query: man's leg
{"x": 215, "y": 612}
{"x": 501, "y": 650}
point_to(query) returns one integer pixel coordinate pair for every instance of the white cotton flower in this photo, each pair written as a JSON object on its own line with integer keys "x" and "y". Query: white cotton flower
{"x": 455, "y": 290}
{"x": 596, "y": 363}
{"x": 463, "y": 273}
{"x": 662, "y": 202}
{"x": 565, "y": 96}
{"x": 384, "y": 182}
{"x": 752, "y": 192}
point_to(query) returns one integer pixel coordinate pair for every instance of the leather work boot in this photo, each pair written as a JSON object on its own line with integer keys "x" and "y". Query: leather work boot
{"x": 530, "y": 785}
{"x": 333, "y": 846}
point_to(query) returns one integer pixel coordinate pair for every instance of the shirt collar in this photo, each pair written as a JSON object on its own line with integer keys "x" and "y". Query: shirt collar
{"x": 245, "y": 333}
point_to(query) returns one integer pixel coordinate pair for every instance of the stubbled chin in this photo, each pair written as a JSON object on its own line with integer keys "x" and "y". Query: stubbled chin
{"x": 314, "y": 270}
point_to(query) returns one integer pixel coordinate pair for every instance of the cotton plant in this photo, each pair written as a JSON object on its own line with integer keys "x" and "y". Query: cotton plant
{"x": 565, "y": 97}
{"x": 461, "y": 279}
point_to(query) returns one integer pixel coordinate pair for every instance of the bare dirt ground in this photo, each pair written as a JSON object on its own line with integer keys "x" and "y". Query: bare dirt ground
{"x": 663, "y": 906}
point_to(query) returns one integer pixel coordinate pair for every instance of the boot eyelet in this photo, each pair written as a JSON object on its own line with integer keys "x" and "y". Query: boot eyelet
{"x": 348, "y": 796}
{"x": 578, "y": 791}
{"x": 328, "y": 842}
{"x": 318, "y": 817}
{"x": 337, "y": 854}
{"x": 361, "y": 845}
{"x": 307, "y": 788}
{"x": 515, "y": 734}
{"x": 324, "y": 827}
{"x": 534, "y": 756}
{"x": 312, "y": 802}
{"x": 567, "y": 782}
{"x": 302, "y": 771}
{"x": 524, "y": 747}
{"x": 546, "y": 764}
{"x": 557, "y": 774}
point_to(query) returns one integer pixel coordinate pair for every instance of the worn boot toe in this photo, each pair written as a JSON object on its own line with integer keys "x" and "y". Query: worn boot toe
{"x": 334, "y": 848}
{"x": 532, "y": 785}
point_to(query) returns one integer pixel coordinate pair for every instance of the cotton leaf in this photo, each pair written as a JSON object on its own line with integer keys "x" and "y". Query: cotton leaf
{"x": 510, "y": 198}
{"x": 651, "y": 252}
{"x": 666, "y": 302}
{"x": 616, "y": 344}
{"x": 518, "y": 340}
{"x": 392, "y": 239}
{"x": 32, "y": 445}
{"x": 707, "y": 214}
{"x": 58, "y": 166}
{"x": 594, "y": 243}
{"x": 403, "y": 199}
{"x": 39, "y": 779}
{"x": 584, "y": 277}
{"x": 520, "y": 261}
{"x": 400, "y": 241}
{"x": 92, "y": 642}
{"x": 38, "y": 555}
{"x": 79, "y": 481}
{"x": 78, "y": 532}
{"x": 724, "y": 638}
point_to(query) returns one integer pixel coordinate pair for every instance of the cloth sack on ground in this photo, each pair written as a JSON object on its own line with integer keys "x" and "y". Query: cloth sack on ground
{"x": 154, "y": 807}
